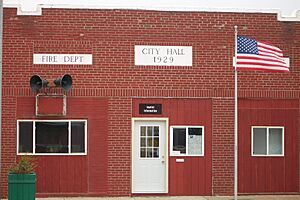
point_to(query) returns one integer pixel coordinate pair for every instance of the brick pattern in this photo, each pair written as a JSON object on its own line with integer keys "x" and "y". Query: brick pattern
{"x": 139, "y": 92}
{"x": 223, "y": 146}
{"x": 119, "y": 146}
{"x": 8, "y": 138}
{"x": 110, "y": 35}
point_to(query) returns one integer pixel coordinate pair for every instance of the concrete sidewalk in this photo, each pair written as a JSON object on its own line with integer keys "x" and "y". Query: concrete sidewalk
{"x": 258, "y": 197}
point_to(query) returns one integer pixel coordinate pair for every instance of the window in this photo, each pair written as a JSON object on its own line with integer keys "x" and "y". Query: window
{"x": 267, "y": 141}
{"x": 187, "y": 141}
{"x": 59, "y": 137}
{"x": 149, "y": 141}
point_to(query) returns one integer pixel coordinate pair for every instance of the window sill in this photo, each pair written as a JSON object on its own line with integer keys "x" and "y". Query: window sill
{"x": 53, "y": 154}
{"x": 267, "y": 155}
{"x": 180, "y": 155}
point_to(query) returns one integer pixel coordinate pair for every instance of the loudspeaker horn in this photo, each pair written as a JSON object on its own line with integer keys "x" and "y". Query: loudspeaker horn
{"x": 36, "y": 83}
{"x": 65, "y": 82}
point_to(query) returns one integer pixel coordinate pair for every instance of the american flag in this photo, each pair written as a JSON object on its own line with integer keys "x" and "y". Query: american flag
{"x": 255, "y": 55}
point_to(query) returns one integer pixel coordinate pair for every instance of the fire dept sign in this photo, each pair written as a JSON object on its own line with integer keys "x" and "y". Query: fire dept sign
{"x": 163, "y": 55}
{"x": 63, "y": 59}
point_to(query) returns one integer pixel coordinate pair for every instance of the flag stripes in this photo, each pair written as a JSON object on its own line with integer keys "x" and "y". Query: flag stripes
{"x": 254, "y": 55}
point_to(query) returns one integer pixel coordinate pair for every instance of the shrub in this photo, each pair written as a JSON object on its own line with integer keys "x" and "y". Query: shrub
{"x": 26, "y": 165}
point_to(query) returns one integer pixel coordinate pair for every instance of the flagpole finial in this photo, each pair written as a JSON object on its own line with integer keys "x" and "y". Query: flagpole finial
{"x": 235, "y": 27}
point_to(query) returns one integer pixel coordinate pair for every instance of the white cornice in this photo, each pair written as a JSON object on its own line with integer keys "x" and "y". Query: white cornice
{"x": 288, "y": 10}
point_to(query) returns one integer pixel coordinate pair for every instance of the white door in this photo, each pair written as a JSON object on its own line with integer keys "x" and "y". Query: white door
{"x": 149, "y": 157}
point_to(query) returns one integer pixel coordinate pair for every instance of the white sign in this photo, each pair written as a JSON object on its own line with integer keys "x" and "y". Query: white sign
{"x": 163, "y": 55}
{"x": 63, "y": 59}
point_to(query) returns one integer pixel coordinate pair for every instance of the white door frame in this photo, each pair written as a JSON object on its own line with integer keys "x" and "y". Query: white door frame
{"x": 145, "y": 119}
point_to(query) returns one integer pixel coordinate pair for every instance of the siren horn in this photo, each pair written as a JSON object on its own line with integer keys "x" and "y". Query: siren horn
{"x": 65, "y": 82}
{"x": 36, "y": 83}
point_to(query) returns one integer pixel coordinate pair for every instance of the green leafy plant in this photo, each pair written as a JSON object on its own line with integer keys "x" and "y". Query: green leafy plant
{"x": 26, "y": 165}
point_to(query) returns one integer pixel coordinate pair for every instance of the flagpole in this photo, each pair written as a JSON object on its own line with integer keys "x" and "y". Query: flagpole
{"x": 235, "y": 120}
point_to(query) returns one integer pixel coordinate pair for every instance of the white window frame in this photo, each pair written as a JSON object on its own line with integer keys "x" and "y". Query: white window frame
{"x": 172, "y": 153}
{"x": 69, "y": 136}
{"x": 268, "y": 154}
{"x": 159, "y": 148}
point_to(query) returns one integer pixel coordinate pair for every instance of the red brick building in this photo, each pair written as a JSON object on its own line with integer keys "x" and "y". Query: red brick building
{"x": 132, "y": 128}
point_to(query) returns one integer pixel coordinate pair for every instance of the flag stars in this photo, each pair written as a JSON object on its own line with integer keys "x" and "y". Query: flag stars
{"x": 246, "y": 45}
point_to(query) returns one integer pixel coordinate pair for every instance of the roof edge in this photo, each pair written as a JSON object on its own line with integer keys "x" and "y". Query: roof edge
{"x": 36, "y": 9}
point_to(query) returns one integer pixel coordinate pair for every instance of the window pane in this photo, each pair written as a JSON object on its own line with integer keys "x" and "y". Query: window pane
{"x": 149, "y": 152}
{"x": 156, "y": 130}
{"x": 156, "y": 152}
{"x": 143, "y": 131}
{"x": 25, "y": 137}
{"x": 77, "y": 137}
{"x": 195, "y": 141}
{"x": 143, "y": 142}
{"x": 179, "y": 140}
{"x": 149, "y": 130}
{"x": 275, "y": 141}
{"x": 51, "y": 137}
{"x": 149, "y": 142}
{"x": 143, "y": 153}
{"x": 259, "y": 141}
{"x": 156, "y": 142}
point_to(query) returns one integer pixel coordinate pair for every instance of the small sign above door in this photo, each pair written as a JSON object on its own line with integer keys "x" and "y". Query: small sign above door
{"x": 150, "y": 109}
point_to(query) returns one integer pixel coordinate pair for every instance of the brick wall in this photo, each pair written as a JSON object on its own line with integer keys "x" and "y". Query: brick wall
{"x": 223, "y": 147}
{"x": 119, "y": 147}
{"x": 110, "y": 35}
{"x": 8, "y": 136}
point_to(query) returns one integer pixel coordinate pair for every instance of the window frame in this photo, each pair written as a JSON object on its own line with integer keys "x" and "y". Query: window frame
{"x": 139, "y": 143}
{"x": 268, "y": 136}
{"x": 172, "y": 153}
{"x": 69, "y": 137}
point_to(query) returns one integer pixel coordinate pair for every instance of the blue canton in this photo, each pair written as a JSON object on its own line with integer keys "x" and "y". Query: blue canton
{"x": 246, "y": 45}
